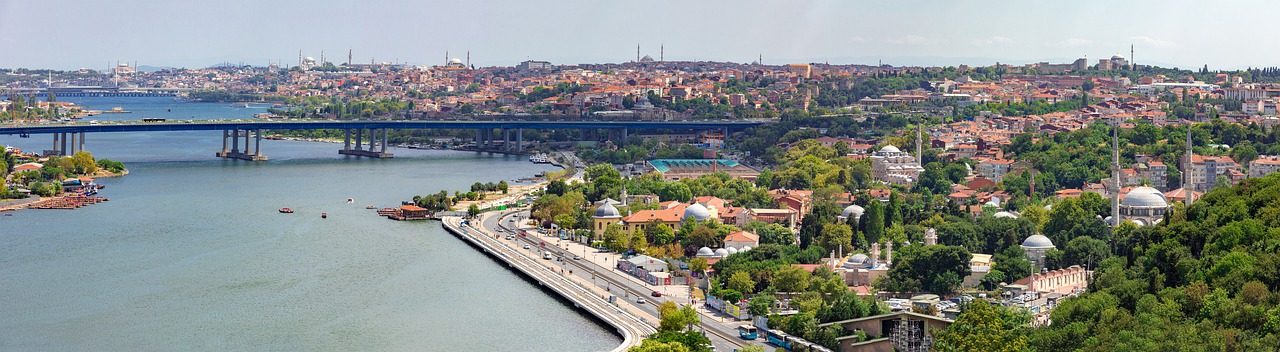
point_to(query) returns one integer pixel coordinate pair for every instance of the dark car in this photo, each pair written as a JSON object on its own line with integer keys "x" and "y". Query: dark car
{"x": 656, "y": 294}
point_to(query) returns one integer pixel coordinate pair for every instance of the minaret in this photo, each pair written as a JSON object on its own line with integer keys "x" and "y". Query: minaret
{"x": 637, "y": 52}
{"x": 1115, "y": 173}
{"x": 919, "y": 137}
{"x": 760, "y": 59}
{"x": 446, "y": 58}
{"x": 1133, "y": 63}
{"x": 299, "y": 57}
{"x": 468, "y": 58}
{"x": 1188, "y": 185}
{"x": 662, "y": 53}
{"x": 624, "y": 194}
{"x": 348, "y": 57}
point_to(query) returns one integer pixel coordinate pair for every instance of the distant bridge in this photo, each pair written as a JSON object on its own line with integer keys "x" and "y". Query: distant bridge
{"x": 97, "y": 91}
{"x": 65, "y": 135}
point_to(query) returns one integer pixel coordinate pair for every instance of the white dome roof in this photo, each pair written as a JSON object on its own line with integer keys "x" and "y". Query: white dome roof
{"x": 890, "y": 149}
{"x": 1037, "y": 242}
{"x": 310, "y": 58}
{"x": 858, "y": 259}
{"x": 721, "y": 252}
{"x": 705, "y": 252}
{"x": 1145, "y": 197}
{"x": 733, "y": 250}
{"x": 455, "y": 61}
{"x": 1005, "y": 214}
{"x": 1117, "y": 57}
{"x": 697, "y": 212}
{"x": 607, "y": 210}
{"x": 744, "y": 249}
{"x": 853, "y": 211}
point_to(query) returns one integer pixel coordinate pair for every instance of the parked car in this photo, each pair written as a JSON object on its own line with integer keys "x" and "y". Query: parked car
{"x": 656, "y": 294}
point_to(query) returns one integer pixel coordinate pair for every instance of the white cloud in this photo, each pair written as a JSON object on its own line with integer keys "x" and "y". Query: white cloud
{"x": 1076, "y": 42}
{"x": 992, "y": 41}
{"x": 910, "y": 39}
{"x": 859, "y": 39}
{"x": 1159, "y": 43}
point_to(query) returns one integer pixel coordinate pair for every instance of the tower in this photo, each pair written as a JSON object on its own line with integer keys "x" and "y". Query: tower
{"x": 637, "y": 52}
{"x": 1188, "y": 185}
{"x": 930, "y": 237}
{"x": 1133, "y": 63}
{"x": 1115, "y": 173}
{"x": 299, "y": 57}
{"x": 661, "y": 49}
{"x": 446, "y": 58}
{"x": 919, "y": 137}
{"x": 348, "y": 57}
{"x": 760, "y": 59}
{"x": 468, "y": 58}
{"x": 624, "y": 194}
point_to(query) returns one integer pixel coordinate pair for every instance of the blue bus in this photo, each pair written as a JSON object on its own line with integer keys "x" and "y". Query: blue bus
{"x": 778, "y": 338}
{"x": 747, "y": 332}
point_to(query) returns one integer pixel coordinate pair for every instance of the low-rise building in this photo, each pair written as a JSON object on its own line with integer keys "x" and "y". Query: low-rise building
{"x": 1264, "y": 165}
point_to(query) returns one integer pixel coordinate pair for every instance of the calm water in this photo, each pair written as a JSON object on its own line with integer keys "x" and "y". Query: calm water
{"x": 190, "y": 254}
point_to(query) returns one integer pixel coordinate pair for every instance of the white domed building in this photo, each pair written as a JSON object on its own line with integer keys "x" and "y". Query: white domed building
{"x": 698, "y": 212}
{"x": 1036, "y": 246}
{"x": 1144, "y": 206}
{"x": 853, "y": 211}
{"x": 891, "y": 165}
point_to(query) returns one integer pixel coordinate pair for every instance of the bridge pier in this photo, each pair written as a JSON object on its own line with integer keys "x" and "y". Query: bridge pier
{"x": 63, "y": 150}
{"x": 82, "y": 141}
{"x": 359, "y": 148}
{"x": 519, "y": 139}
{"x": 248, "y": 154}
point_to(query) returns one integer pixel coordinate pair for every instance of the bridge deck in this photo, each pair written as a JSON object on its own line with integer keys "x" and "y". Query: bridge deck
{"x": 214, "y": 125}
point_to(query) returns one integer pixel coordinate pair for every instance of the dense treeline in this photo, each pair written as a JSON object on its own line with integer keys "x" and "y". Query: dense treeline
{"x": 1202, "y": 280}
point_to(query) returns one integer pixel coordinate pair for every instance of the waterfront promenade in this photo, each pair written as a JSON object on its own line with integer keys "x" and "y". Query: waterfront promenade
{"x": 632, "y": 328}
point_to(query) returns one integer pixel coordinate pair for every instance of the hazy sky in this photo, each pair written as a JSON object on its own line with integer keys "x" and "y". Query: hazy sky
{"x": 68, "y": 34}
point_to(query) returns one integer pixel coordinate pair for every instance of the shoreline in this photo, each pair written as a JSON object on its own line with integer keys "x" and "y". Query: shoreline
{"x": 632, "y": 329}
{"x": 26, "y": 203}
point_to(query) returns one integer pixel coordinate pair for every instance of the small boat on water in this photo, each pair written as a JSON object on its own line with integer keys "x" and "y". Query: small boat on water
{"x": 286, "y": 210}
{"x": 349, "y": 200}
{"x": 324, "y": 215}
{"x": 371, "y": 207}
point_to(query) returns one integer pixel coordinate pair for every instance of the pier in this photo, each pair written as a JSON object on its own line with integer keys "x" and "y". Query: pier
{"x": 235, "y": 153}
{"x": 359, "y": 150}
{"x": 632, "y": 329}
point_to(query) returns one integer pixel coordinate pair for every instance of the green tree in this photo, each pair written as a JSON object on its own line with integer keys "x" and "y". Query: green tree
{"x": 761, "y": 305}
{"x": 791, "y": 279}
{"x": 615, "y": 238}
{"x": 565, "y": 221}
{"x": 836, "y": 237}
{"x": 473, "y": 211}
{"x": 741, "y": 281}
{"x": 653, "y": 345}
{"x": 874, "y": 227}
{"x": 981, "y": 328}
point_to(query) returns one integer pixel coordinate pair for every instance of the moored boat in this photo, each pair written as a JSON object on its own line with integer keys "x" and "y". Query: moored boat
{"x": 286, "y": 210}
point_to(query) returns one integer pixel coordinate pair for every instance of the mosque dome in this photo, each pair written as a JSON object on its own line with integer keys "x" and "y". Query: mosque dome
{"x": 890, "y": 149}
{"x": 1145, "y": 197}
{"x": 744, "y": 249}
{"x": 607, "y": 210}
{"x": 1117, "y": 57}
{"x": 1037, "y": 242}
{"x": 646, "y": 58}
{"x": 705, "y": 252}
{"x": 455, "y": 61}
{"x": 858, "y": 259}
{"x": 853, "y": 211}
{"x": 721, "y": 252}
{"x": 696, "y": 211}
{"x": 1005, "y": 214}
{"x": 733, "y": 250}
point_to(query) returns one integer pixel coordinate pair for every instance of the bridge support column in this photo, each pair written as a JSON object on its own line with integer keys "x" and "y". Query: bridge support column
{"x": 72, "y": 138}
{"x": 53, "y": 151}
{"x": 63, "y": 150}
{"x": 235, "y": 141}
{"x": 81, "y": 141}
{"x": 519, "y": 139}
{"x": 346, "y": 136}
{"x": 359, "y": 149}
{"x": 257, "y": 143}
{"x": 625, "y": 134}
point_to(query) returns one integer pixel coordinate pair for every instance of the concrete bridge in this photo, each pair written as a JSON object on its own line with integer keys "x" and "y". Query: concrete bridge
{"x": 65, "y": 136}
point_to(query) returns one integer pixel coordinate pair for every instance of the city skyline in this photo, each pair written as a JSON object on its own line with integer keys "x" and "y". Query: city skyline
{"x": 85, "y": 34}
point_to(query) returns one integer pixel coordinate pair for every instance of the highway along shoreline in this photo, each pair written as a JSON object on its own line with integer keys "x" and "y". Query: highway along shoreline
{"x": 632, "y": 329}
